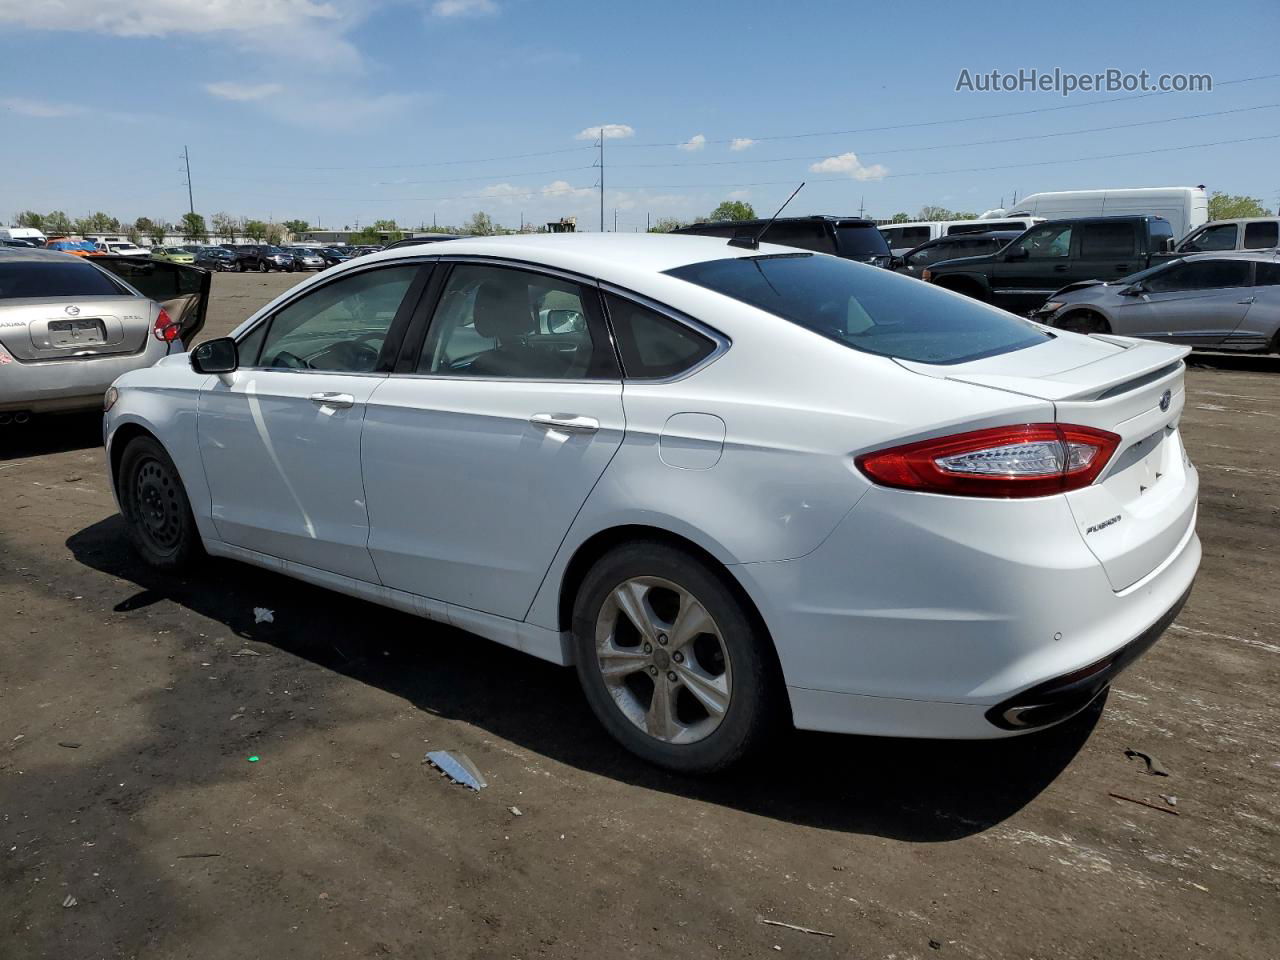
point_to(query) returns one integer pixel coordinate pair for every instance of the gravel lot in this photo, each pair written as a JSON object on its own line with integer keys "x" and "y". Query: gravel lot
{"x": 133, "y": 825}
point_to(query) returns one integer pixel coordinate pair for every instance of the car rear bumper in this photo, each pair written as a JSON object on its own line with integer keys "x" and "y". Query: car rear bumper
{"x": 54, "y": 386}
{"x": 921, "y": 617}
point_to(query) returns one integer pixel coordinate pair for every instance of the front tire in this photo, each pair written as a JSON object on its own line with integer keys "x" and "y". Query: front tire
{"x": 156, "y": 511}
{"x": 262, "y": 266}
{"x": 671, "y": 663}
{"x": 1083, "y": 321}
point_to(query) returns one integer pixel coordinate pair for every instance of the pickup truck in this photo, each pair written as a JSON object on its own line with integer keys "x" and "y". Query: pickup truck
{"x": 1051, "y": 255}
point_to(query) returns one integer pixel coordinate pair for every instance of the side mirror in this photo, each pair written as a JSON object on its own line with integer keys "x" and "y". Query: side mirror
{"x": 216, "y": 356}
{"x": 1166, "y": 245}
{"x": 1133, "y": 290}
{"x": 564, "y": 321}
{"x": 1017, "y": 253}
{"x": 896, "y": 262}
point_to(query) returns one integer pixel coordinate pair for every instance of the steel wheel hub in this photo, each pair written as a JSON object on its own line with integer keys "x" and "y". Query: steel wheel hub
{"x": 663, "y": 660}
{"x": 158, "y": 508}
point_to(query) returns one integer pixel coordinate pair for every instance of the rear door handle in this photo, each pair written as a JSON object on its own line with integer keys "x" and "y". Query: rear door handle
{"x": 1060, "y": 268}
{"x": 565, "y": 422}
{"x": 1247, "y": 300}
{"x": 339, "y": 401}
{"x": 1122, "y": 266}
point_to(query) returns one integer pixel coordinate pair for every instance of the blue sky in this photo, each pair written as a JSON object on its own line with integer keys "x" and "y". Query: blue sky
{"x": 346, "y": 111}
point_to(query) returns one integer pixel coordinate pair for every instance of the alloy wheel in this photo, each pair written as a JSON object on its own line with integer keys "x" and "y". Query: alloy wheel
{"x": 663, "y": 660}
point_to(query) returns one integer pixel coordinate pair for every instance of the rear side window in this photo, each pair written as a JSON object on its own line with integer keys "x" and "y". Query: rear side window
{"x": 1259, "y": 236}
{"x": 899, "y": 237}
{"x": 1106, "y": 240}
{"x": 868, "y": 309}
{"x": 653, "y": 345}
{"x": 26, "y": 278}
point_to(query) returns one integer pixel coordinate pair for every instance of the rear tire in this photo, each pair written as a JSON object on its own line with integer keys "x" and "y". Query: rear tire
{"x": 1083, "y": 321}
{"x": 694, "y": 686}
{"x": 156, "y": 510}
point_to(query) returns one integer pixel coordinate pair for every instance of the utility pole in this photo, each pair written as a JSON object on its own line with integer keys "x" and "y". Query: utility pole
{"x": 862, "y": 206}
{"x": 646, "y": 221}
{"x": 191, "y": 204}
{"x": 615, "y": 219}
{"x": 602, "y": 179}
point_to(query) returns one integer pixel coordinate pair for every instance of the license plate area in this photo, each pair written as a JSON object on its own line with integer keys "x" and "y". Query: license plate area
{"x": 88, "y": 332}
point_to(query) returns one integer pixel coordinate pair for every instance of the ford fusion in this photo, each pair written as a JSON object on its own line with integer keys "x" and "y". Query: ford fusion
{"x": 734, "y": 486}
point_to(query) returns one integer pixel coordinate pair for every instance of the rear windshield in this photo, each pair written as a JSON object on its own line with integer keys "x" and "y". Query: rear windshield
{"x": 73, "y": 279}
{"x": 867, "y": 308}
{"x": 861, "y": 242}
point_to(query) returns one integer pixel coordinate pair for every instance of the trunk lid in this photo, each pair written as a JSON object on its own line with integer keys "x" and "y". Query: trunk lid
{"x": 1141, "y": 509}
{"x": 46, "y": 328}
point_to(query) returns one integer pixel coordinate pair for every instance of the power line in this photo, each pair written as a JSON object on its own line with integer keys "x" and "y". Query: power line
{"x": 981, "y": 116}
{"x": 790, "y": 136}
{"x": 954, "y": 146}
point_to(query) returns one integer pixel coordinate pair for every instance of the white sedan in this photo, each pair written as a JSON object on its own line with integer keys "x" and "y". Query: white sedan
{"x": 734, "y": 487}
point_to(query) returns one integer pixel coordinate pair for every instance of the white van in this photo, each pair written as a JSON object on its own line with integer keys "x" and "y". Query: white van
{"x": 1184, "y": 207}
{"x": 907, "y": 236}
{"x": 30, "y": 234}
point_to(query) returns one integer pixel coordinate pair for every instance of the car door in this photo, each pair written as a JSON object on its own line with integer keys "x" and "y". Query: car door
{"x": 1260, "y": 328}
{"x": 482, "y": 447}
{"x": 1106, "y": 250}
{"x": 280, "y": 437}
{"x": 1196, "y": 302}
{"x": 1032, "y": 267}
{"x": 182, "y": 290}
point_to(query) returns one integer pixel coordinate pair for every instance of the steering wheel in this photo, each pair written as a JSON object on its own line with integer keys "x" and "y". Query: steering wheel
{"x": 354, "y": 354}
{"x": 291, "y": 361}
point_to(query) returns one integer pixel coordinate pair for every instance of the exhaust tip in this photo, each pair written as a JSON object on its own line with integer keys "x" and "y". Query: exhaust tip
{"x": 5, "y": 419}
{"x": 22, "y": 416}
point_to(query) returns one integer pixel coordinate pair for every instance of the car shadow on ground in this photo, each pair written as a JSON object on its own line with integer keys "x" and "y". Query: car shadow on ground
{"x": 1242, "y": 362}
{"x": 50, "y": 433}
{"x": 921, "y": 791}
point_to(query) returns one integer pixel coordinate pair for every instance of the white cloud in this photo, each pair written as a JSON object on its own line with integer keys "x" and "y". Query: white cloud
{"x": 612, "y": 131}
{"x": 155, "y": 18}
{"x": 741, "y": 143}
{"x": 509, "y": 192}
{"x": 311, "y": 30}
{"x": 850, "y": 164}
{"x": 39, "y": 108}
{"x": 739, "y": 194}
{"x": 463, "y": 8}
{"x": 694, "y": 143}
{"x": 230, "y": 90}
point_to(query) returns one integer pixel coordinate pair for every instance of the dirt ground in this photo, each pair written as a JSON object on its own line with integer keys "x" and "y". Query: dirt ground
{"x": 134, "y": 824}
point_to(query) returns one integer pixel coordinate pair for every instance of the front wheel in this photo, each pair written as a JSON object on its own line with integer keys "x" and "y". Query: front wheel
{"x": 155, "y": 506}
{"x": 1083, "y": 321}
{"x": 671, "y": 663}
{"x": 262, "y": 266}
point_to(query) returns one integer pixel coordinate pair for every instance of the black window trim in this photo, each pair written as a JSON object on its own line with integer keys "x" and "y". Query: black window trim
{"x": 395, "y": 333}
{"x": 406, "y": 365}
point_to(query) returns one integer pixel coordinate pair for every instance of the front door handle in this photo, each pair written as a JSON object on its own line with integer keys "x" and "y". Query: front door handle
{"x": 1060, "y": 268}
{"x": 565, "y": 422}
{"x": 1122, "y": 266}
{"x": 339, "y": 401}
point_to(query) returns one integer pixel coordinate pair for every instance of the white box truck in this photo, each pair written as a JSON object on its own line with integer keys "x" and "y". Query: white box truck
{"x": 1184, "y": 207}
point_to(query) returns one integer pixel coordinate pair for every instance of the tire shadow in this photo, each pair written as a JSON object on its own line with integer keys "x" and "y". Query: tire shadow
{"x": 919, "y": 791}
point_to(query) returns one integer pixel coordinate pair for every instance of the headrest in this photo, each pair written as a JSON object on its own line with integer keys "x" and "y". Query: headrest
{"x": 502, "y": 310}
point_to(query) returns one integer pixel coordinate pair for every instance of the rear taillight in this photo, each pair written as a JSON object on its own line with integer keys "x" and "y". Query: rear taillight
{"x": 1028, "y": 460}
{"x": 165, "y": 329}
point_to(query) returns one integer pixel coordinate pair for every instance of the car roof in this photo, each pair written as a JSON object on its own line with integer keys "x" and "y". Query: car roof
{"x": 590, "y": 253}
{"x": 37, "y": 255}
{"x": 810, "y": 218}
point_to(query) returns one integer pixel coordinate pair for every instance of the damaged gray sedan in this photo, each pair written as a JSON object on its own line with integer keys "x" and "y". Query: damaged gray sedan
{"x": 70, "y": 325}
{"x": 1223, "y": 301}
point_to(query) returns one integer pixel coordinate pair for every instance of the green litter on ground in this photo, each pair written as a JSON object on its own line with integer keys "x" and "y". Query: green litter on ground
{"x": 253, "y": 759}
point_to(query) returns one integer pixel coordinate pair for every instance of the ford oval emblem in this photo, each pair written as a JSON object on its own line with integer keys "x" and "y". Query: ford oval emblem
{"x": 73, "y": 311}
{"x": 1165, "y": 400}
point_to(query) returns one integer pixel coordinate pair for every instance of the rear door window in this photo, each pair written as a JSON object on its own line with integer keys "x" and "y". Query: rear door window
{"x": 861, "y": 241}
{"x": 807, "y": 236}
{"x": 875, "y": 311}
{"x": 1102, "y": 240}
{"x": 1268, "y": 275}
{"x": 1261, "y": 235}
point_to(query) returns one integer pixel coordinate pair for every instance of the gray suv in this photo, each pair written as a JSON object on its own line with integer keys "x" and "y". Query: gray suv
{"x": 1224, "y": 301}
